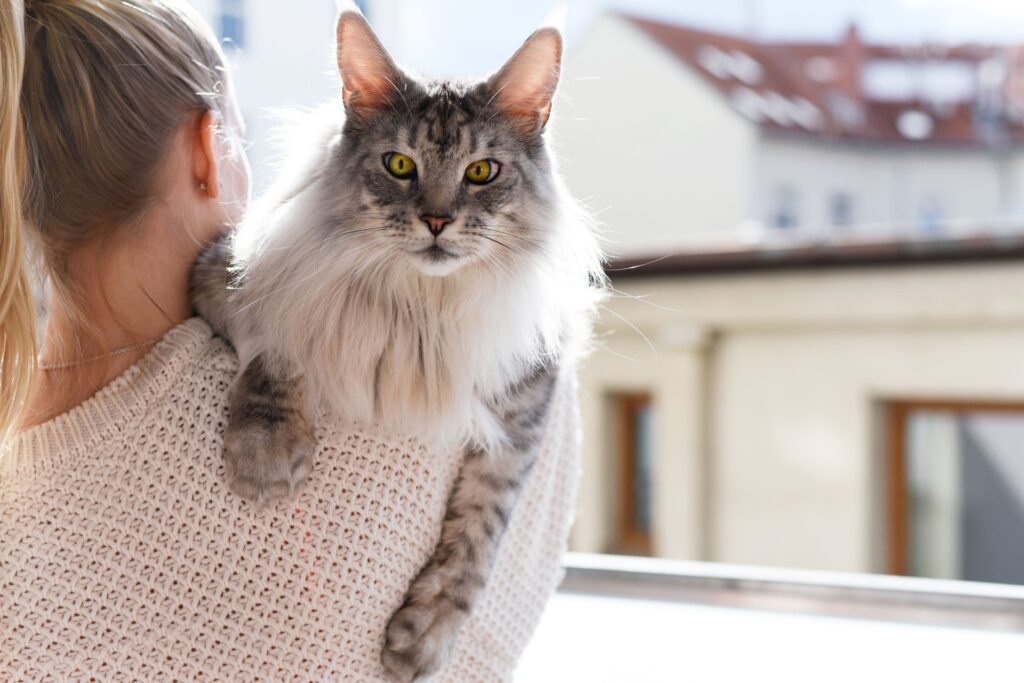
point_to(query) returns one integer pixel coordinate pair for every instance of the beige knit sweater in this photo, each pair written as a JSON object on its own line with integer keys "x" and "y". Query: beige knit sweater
{"x": 123, "y": 557}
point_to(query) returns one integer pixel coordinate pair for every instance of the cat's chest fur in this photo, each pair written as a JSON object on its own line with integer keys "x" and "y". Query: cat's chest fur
{"x": 405, "y": 353}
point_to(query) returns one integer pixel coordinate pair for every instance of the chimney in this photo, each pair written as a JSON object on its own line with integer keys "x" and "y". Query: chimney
{"x": 852, "y": 55}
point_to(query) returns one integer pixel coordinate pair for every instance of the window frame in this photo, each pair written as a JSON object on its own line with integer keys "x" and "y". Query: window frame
{"x": 897, "y": 504}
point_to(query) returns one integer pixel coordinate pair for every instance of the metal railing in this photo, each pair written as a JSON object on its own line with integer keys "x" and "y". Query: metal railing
{"x": 933, "y": 602}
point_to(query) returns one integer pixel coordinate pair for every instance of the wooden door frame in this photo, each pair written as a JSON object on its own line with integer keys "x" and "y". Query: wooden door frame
{"x": 628, "y": 538}
{"x": 897, "y": 412}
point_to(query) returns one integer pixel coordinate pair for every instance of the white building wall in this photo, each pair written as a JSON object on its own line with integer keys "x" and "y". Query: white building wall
{"x": 652, "y": 149}
{"x": 766, "y": 388}
{"x": 796, "y": 481}
{"x": 674, "y": 375}
{"x": 888, "y": 185}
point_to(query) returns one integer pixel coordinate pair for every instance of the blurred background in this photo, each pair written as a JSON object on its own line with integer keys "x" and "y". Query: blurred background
{"x": 814, "y": 355}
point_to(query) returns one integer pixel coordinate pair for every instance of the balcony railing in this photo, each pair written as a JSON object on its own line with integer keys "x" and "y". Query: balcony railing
{"x": 959, "y": 604}
{"x": 655, "y": 621}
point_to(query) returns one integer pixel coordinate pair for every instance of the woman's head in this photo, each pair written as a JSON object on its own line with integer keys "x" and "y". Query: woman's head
{"x": 109, "y": 111}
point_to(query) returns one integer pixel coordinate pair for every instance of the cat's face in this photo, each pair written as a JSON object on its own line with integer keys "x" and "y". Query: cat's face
{"x": 447, "y": 174}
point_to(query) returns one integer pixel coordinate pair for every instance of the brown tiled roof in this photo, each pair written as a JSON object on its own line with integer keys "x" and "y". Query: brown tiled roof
{"x": 776, "y": 84}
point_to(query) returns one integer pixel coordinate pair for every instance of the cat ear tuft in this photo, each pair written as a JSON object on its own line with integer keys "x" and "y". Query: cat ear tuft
{"x": 369, "y": 78}
{"x": 525, "y": 86}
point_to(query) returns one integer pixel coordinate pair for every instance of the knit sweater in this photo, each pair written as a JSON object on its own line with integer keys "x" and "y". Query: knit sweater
{"x": 123, "y": 556}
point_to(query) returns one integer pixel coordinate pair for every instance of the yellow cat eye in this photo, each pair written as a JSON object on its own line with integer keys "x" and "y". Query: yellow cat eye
{"x": 483, "y": 171}
{"x": 399, "y": 165}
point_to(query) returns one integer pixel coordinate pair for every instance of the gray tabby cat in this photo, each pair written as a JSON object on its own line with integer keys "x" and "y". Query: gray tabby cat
{"x": 423, "y": 273}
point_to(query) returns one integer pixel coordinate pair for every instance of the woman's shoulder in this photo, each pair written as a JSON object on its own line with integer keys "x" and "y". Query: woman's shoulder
{"x": 187, "y": 374}
{"x": 179, "y": 388}
{"x": 193, "y": 344}
{"x": 190, "y": 365}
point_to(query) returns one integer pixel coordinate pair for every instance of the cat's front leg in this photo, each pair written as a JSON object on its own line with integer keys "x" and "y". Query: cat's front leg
{"x": 420, "y": 634}
{"x": 268, "y": 442}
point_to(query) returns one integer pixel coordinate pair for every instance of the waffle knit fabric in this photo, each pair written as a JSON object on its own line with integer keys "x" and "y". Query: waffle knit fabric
{"x": 123, "y": 556}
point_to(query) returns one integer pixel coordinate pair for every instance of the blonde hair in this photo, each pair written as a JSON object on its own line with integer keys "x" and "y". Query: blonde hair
{"x": 92, "y": 93}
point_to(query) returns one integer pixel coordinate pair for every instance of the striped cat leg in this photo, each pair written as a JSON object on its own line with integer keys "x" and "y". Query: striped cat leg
{"x": 268, "y": 443}
{"x": 419, "y": 636}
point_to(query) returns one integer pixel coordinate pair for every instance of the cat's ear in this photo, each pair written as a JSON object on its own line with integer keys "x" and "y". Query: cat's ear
{"x": 369, "y": 78}
{"x": 524, "y": 88}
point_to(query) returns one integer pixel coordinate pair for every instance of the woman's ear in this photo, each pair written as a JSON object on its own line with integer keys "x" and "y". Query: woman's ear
{"x": 206, "y": 155}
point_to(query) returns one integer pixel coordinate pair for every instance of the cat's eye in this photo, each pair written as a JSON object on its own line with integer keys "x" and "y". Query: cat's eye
{"x": 399, "y": 165}
{"x": 483, "y": 171}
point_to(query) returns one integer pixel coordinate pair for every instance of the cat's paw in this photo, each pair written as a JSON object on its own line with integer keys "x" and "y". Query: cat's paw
{"x": 420, "y": 635}
{"x": 268, "y": 460}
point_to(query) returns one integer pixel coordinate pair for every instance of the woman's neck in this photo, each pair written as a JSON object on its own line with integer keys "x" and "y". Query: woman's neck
{"x": 133, "y": 299}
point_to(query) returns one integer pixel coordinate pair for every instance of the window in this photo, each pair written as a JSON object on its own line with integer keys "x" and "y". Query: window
{"x": 931, "y": 216}
{"x": 635, "y": 464}
{"x": 785, "y": 211}
{"x": 956, "y": 499}
{"x": 231, "y": 23}
{"x": 841, "y": 209}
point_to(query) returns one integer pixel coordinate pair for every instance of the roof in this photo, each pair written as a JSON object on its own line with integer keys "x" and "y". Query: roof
{"x": 913, "y": 94}
{"x": 739, "y": 258}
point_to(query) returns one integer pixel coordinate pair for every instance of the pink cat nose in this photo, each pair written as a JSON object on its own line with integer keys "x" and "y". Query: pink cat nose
{"x": 436, "y": 224}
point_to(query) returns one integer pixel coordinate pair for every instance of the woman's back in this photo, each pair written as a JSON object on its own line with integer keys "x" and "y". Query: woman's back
{"x": 126, "y": 557}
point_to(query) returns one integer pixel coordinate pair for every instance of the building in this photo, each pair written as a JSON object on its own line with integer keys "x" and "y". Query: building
{"x": 843, "y": 389}
{"x": 702, "y": 134}
{"x": 825, "y": 407}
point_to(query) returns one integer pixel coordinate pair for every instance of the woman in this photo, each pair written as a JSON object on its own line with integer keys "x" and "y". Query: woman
{"x": 124, "y": 556}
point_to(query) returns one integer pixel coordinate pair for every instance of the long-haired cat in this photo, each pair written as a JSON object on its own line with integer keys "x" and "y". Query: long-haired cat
{"x": 424, "y": 274}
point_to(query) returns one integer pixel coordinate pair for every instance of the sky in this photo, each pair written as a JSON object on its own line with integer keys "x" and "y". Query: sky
{"x": 457, "y": 36}
{"x": 291, "y": 61}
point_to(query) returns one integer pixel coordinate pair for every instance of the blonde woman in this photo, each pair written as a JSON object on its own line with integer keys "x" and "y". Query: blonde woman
{"x": 123, "y": 556}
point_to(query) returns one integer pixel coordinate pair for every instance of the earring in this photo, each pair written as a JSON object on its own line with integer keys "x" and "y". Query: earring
{"x": 203, "y": 186}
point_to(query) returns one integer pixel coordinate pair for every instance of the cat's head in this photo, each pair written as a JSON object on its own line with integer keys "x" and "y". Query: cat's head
{"x": 446, "y": 173}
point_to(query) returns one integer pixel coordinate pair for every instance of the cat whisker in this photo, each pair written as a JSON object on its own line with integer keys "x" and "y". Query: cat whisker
{"x": 633, "y": 327}
{"x": 614, "y": 352}
{"x": 532, "y": 243}
{"x": 496, "y": 241}
{"x": 641, "y": 298}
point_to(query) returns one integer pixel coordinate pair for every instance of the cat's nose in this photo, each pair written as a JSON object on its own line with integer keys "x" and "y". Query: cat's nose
{"x": 436, "y": 224}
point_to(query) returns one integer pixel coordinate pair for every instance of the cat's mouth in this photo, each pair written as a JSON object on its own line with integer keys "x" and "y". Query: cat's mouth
{"x": 435, "y": 252}
{"x": 436, "y": 261}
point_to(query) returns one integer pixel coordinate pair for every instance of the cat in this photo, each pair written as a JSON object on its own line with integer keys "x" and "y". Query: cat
{"x": 424, "y": 272}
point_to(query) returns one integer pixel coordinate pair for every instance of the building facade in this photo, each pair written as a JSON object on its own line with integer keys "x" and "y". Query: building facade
{"x": 811, "y": 357}
{"x": 803, "y": 409}
{"x": 706, "y": 135}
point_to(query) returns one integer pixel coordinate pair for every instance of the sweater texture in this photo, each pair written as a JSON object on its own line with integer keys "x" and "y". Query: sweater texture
{"x": 124, "y": 557}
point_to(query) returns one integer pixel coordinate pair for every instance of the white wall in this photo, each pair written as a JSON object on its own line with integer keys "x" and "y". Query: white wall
{"x": 890, "y": 184}
{"x": 647, "y": 144}
{"x": 674, "y": 376}
{"x": 771, "y": 455}
{"x": 795, "y": 480}
{"x": 287, "y": 60}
